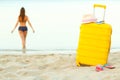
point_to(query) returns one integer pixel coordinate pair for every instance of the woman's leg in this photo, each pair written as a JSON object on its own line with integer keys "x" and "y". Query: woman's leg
{"x": 25, "y": 34}
{"x": 23, "y": 38}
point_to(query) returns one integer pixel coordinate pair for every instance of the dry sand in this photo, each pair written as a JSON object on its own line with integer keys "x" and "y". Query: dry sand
{"x": 54, "y": 67}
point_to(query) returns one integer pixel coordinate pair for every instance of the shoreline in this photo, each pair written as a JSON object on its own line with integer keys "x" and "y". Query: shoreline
{"x": 42, "y": 52}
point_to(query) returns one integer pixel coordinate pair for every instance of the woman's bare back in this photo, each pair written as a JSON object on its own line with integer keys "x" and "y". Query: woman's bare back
{"x": 23, "y": 23}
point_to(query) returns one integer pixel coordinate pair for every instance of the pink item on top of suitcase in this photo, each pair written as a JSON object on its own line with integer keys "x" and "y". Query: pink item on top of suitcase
{"x": 88, "y": 18}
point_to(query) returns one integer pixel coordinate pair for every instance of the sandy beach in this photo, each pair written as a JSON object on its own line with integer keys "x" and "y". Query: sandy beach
{"x": 54, "y": 67}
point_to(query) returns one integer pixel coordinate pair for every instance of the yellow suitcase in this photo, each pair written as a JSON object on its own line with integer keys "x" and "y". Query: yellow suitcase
{"x": 94, "y": 44}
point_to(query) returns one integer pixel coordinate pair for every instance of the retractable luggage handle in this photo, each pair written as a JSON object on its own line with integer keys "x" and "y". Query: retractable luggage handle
{"x": 100, "y": 6}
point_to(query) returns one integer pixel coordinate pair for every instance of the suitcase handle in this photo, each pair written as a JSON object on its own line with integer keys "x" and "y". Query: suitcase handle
{"x": 100, "y": 6}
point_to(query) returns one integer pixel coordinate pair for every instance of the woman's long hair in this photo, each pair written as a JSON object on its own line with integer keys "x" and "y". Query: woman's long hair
{"x": 22, "y": 14}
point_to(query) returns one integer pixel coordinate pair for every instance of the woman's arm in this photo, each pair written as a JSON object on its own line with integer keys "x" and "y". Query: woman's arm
{"x": 30, "y": 25}
{"x": 15, "y": 26}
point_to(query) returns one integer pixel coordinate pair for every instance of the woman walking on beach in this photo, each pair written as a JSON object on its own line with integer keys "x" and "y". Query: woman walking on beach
{"x": 22, "y": 19}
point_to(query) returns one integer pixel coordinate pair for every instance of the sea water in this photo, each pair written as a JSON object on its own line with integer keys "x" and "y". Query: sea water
{"x": 56, "y": 23}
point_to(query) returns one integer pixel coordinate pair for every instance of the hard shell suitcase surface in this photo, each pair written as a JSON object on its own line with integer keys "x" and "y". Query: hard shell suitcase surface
{"x": 94, "y": 43}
